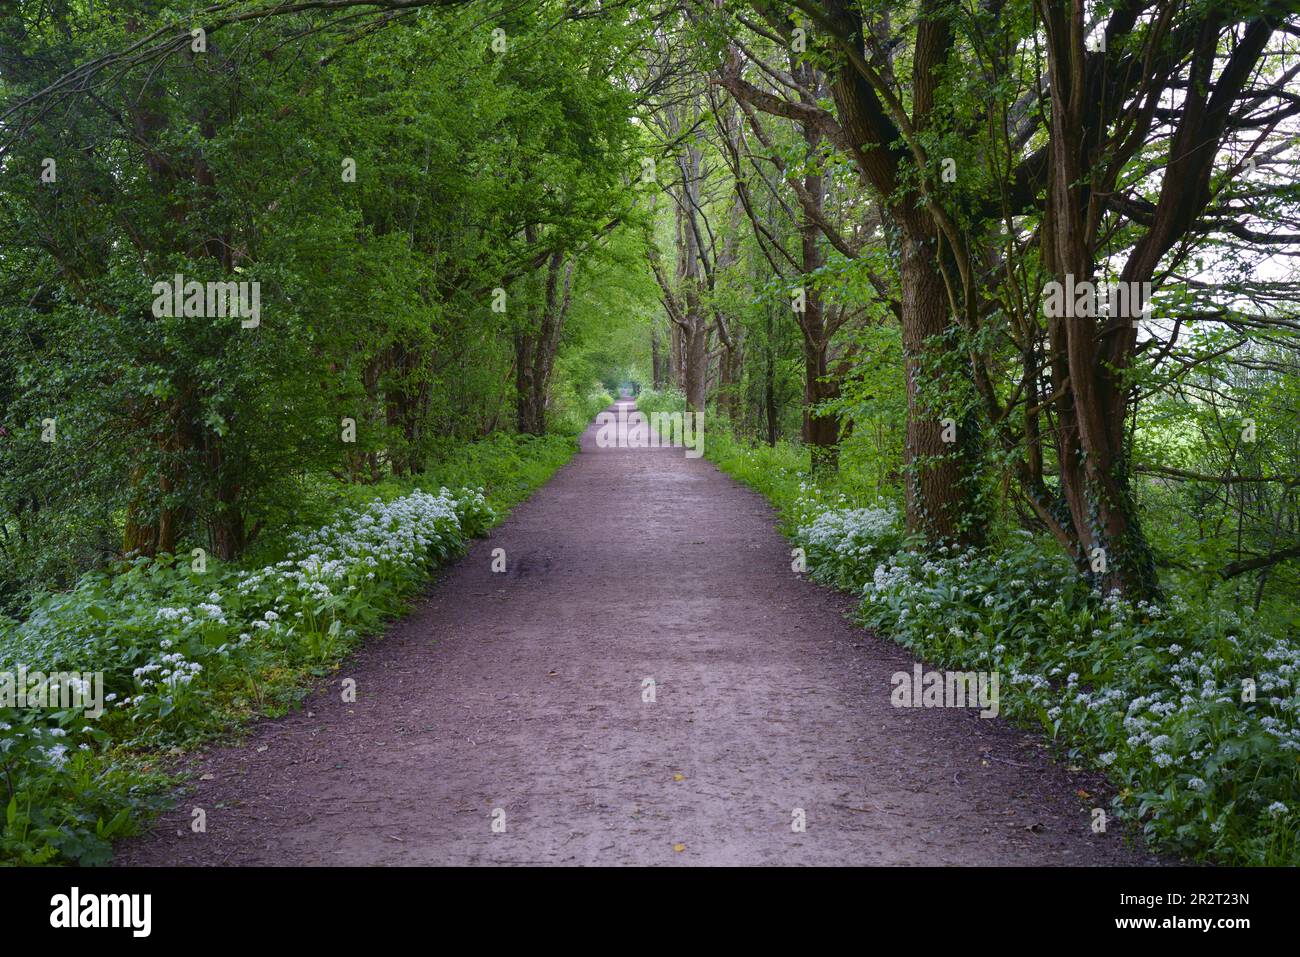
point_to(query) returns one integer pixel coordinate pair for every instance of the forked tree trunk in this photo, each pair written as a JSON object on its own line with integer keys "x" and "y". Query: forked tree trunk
{"x": 536, "y": 347}
{"x": 1090, "y": 355}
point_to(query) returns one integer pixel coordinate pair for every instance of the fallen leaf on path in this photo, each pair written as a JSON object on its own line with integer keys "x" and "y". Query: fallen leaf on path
{"x": 679, "y": 847}
{"x": 679, "y": 777}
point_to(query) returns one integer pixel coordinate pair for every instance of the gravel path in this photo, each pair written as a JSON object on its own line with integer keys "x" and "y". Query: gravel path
{"x": 517, "y": 699}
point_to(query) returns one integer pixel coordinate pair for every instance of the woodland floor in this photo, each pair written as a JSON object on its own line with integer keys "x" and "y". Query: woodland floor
{"x": 523, "y": 691}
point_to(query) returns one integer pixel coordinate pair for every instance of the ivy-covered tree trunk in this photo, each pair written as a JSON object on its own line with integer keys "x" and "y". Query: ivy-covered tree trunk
{"x": 939, "y": 490}
{"x": 1089, "y": 358}
{"x": 941, "y": 496}
{"x": 140, "y": 530}
{"x": 1090, "y": 354}
{"x": 821, "y": 432}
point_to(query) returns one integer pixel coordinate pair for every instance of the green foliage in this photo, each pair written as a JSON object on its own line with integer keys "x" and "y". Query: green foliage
{"x": 376, "y": 289}
{"x": 574, "y": 412}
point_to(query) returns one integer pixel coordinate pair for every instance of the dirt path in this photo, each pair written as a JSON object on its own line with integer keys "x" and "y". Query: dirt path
{"x": 523, "y": 692}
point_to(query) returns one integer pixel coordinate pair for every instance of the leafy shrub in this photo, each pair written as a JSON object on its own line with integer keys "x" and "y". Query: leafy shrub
{"x": 573, "y": 412}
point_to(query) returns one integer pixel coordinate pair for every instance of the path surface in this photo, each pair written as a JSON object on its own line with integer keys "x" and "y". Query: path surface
{"x": 523, "y": 692}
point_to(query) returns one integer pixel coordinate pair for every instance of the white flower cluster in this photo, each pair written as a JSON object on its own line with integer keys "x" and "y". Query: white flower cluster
{"x": 841, "y": 542}
{"x": 385, "y": 538}
{"x": 850, "y": 531}
{"x": 396, "y": 533}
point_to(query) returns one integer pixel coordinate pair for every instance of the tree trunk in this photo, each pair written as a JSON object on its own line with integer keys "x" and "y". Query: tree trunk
{"x": 940, "y": 492}
{"x": 537, "y": 346}
{"x": 530, "y": 409}
{"x": 140, "y": 534}
{"x": 657, "y": 376}
{"x": 1089, "y": 354}
{"x": 227, "y": 531}
{"x": 769, "y": 380}
{"x": 697, "y": 366}
{"x": 821, "y": 432}
{"x": 938, "y": 489}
